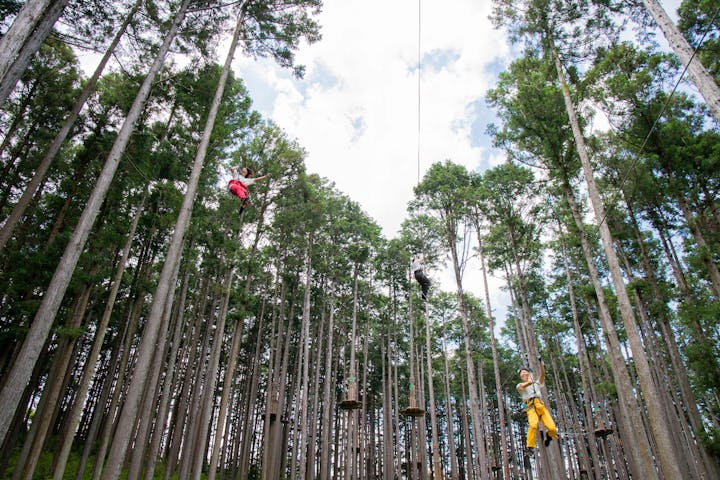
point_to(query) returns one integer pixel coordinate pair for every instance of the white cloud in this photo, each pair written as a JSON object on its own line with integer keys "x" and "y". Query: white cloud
{"x": 363, "y": 73}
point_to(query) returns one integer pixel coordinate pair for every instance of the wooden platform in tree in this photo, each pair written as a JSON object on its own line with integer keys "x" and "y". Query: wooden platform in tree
{"x": 603, "y": 431}
{"x": 350, "y": 404}
{"x": 413, "y": 412}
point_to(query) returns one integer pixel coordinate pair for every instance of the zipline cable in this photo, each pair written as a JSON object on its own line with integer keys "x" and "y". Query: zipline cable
{"x": 662, "y": 111}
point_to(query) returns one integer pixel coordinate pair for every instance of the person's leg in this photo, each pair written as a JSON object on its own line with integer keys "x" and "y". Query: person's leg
{"x": 548, "y": 421}
{"x": 532, "y": 426}
{"x": 243, "y": 204}
{"x": 240, "y": 191}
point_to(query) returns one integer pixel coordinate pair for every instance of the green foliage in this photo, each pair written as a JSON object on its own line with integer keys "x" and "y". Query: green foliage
{"x": 696, "y": 23}
{"x": 274, "y": 29}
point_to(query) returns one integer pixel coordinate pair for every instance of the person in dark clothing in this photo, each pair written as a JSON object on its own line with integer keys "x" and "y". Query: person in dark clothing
{"x": 417, "y": 268}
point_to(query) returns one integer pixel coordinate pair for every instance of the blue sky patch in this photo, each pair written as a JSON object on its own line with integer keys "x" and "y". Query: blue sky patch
{"x": 438, "y": 59}
{"x": 359, "y": 127}
{"x": 323, "y": 76}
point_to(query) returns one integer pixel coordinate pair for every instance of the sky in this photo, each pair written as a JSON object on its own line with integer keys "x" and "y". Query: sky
{"x": 355, "y": 111}
{"x": 372, "y": 122}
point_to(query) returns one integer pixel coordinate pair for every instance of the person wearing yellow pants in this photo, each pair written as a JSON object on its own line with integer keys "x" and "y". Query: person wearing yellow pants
{"x": 529, "y": 390}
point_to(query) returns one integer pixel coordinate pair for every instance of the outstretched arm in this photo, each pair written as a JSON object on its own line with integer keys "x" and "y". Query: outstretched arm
{"x": 264, "y": 177}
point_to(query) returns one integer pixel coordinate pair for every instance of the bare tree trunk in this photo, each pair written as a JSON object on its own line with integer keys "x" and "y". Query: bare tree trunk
{"x": 688, "y": 398}
{"x": 585, "y": 369}
{"x": 470, "y": 471}
{"x": 20, "y": 374}
{"x": 189, "y": 387}
{"x": 16, "y": 37}
{"x": 312, "y": 472}
{"x": 454, "y": 474}
{"x": 496, "y": 360}
{"x": 200, "y": 373}
{"x": 327, "y": 406}
{"x": 236, "y": 334}
{"x": 472, "y": 382}
{"x": 387, "y": 464}
{"x": 162, "y": 416}
{"x": 303, "y": 399}
{"x": 437, "y": 468}
{"x": 122, "y": 371}
{"x": 35, "y": 441}
{"x": 201, "y": 443}
{"x": 271, "y": 393}
{"x": 362, "y": 422}
{"x": 32, "y": 45}
{"x": 152, "y": 390}
{"x": 352, "y": 387}
{"x": 279, "y": 435}
{"x": 90, "y": 363}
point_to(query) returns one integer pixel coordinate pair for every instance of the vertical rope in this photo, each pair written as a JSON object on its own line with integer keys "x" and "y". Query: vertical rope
{"x": 418, "y": 92}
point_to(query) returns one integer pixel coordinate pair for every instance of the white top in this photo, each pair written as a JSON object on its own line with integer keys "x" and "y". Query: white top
{"x": 529, "y": 392}
{"x": 244, "y": 180}
{"x": 417, "y": 264}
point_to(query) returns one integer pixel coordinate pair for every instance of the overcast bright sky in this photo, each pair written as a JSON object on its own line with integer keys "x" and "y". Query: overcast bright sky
{"x": 356, "y": 110}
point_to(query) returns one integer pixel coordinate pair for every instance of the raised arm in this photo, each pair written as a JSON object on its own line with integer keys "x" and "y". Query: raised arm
{"x": 541, "y": 378}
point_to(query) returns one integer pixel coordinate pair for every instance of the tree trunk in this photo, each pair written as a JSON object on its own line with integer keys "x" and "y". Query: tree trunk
{"x": 90, "y": 364}
{"x": 496, "y": 361}
{"x": 199, "y": 373}
{"x": 472, "y": 382}
{"x": 16, "y": 37}
{"x": 32, "y": 45}
{"x": 175, "y": 438}
{"x": 162, "y": 416}
{"x": 585, "y": 369}
{"x": 312, "y": 472}
{"x": 35, "y": 441}
{"x": 305, "y": 388}
{"x": 387, "y": 464}
{"x": 205, "y": 417}
{"x": 454, "y": 474}
{"x": 152, "y": 390}
{"x": 437, "y": 468}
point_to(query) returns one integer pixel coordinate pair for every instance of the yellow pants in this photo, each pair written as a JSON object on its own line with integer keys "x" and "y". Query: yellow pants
{"x": 536, "y": 410}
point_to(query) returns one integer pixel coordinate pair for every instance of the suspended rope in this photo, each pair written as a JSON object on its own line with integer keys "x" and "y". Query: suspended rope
{"x": 630, "y": 169}
{"x": 419, "y": 29}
